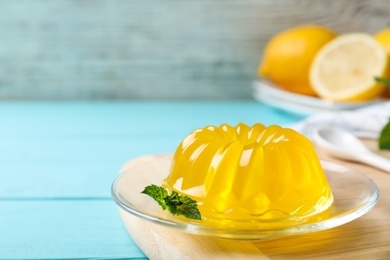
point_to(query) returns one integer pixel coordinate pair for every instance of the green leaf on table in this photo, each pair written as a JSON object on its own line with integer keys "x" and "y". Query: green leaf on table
{"x": 176, "y": 204}
{"x": 384, "y": 137}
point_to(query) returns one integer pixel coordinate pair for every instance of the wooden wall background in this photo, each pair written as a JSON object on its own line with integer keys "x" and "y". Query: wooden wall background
{"x": 154, "y": 49}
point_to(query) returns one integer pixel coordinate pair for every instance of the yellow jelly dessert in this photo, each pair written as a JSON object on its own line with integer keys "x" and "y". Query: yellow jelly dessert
{"x": 250, "y": 173}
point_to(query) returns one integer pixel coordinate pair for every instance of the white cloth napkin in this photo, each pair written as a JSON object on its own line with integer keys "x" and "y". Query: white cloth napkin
{"x": 365, "y": 122}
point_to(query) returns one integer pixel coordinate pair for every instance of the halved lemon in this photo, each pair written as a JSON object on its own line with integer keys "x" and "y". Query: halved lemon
{"x": 383, "y": 37}
{"x": 346, "y": 67}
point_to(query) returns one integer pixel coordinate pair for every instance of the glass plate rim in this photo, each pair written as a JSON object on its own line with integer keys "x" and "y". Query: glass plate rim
{"x": 255, "y": 234}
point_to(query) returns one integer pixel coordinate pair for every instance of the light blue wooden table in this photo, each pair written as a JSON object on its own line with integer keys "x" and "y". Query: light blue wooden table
{"x": 58, "y": 160}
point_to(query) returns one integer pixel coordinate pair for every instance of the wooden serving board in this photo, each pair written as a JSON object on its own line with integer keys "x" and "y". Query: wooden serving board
{"x": 367, "y": 237}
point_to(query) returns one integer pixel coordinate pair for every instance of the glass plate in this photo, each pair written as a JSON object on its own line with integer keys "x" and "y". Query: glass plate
{"x": 354, "y": 195}
{"x": 274, "y": 96}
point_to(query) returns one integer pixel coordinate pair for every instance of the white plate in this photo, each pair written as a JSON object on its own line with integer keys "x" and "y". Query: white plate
{"x": 354, "y": 195}
{"x": 274, "y": 96}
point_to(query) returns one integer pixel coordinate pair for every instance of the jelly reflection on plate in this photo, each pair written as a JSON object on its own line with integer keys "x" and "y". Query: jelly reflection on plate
{"x": 354, "y": 195}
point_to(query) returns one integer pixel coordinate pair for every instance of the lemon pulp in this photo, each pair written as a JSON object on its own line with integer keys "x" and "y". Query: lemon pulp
{"x": 345, "y": 68}
{"x": 247, "y": 173}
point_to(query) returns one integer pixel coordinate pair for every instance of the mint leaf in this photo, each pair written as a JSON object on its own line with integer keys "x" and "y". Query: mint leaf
{"x": 384, "y": 137}
{"x": 175, "y": 203}
{"x": 182, "y": 205}
{"x": 158, "y": 194}
{"x": 383, "y": 80}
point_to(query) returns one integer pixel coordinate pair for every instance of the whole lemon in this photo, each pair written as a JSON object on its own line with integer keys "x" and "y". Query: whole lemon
{"x": 288, "y": 57}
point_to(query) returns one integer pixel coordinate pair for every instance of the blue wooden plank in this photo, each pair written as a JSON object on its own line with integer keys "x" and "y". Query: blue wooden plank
{"x": 75, "y": 149}
{"x": 63, "y": 229}
{"x": 69, "y": 169}
{"x": 121, "y": 118}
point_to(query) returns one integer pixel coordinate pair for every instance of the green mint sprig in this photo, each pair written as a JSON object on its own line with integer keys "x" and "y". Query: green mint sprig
{"x": 176, "y": 204}
{"x": 384, "y": 137}
{"x": 383, "y": 80}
